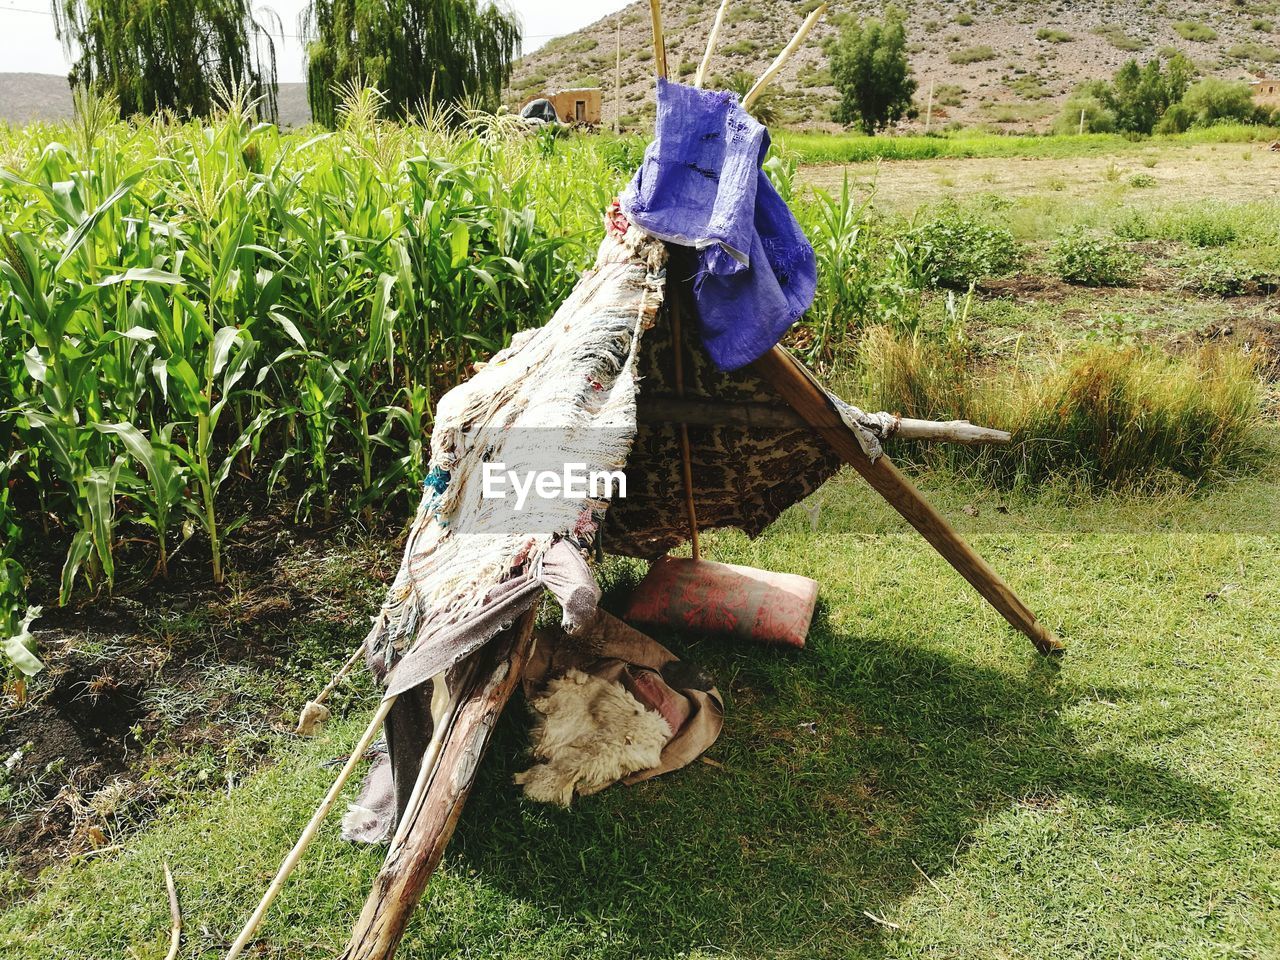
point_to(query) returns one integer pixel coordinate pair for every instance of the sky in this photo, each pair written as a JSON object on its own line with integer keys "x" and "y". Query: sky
{"x": 28, "y": 43}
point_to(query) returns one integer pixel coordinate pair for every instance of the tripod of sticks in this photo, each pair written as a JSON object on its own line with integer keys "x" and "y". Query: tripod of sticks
{"x": 466, "y": 707}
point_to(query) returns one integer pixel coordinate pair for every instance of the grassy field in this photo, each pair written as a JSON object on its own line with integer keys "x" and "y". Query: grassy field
{"x": 915, "y": 783}
{"x": 824, "y": 148}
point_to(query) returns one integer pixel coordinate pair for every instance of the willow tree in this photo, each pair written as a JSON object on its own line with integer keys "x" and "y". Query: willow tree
{"x": 415, "y": 51}
{"x": 167, "y": 54}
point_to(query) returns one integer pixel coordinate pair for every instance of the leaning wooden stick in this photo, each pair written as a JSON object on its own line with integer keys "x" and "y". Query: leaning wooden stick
{"x": 780, "y": 60}
{"x": 175, "y": 915}
{"x": 659, "y": 47}
{"x": 431, "y": 819}
{"x": 798, "y": 388}
{"x": 443, "y": 705}
{"x": 768, "y": 416}
{"x": 313, "y": 826}
{"x": 686, "y": 454}
{"x": 315, "y": 713}
{"x": 711, "y": 44}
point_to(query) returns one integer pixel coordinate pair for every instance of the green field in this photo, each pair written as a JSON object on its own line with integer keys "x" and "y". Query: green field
{"x": 915, "y": 783}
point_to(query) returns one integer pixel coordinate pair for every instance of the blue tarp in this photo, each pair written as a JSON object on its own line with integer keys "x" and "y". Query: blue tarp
{"x": 701, "y": 186}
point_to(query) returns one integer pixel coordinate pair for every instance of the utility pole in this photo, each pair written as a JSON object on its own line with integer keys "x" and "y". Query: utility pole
{"x": 1082, "y": 121}
{"x": 928, "y": 110}
{"x": 617, "y": 82}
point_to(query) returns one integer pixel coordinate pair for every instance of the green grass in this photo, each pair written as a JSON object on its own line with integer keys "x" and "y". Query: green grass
{"x": 981, "y": 801}
{"x": 814, "y": 148}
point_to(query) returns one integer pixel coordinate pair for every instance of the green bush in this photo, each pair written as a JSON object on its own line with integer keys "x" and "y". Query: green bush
{"x": 1219, "y": 275}
{"x": 1054, "y": 35}
{"x": 1252, "y": 50}
{"x": 975, "y": 54}
{"x": 1208, "y": 102}
{"x": 1092, "y": 259}
{"x": 1201, "y": 228}
{"x": 1098, "y": 118}
{"x": 956, "y": 248}
{"x": 1198, "y": 32}
{"x": 1142, "y": 181}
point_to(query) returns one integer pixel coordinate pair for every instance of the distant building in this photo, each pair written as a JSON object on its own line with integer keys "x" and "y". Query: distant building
{"x": 580, "y": 105}
{"x": 1266, "y": 92}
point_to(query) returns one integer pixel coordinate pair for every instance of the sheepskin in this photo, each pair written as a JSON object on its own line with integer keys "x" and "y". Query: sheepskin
{"x": 589, "y": 733}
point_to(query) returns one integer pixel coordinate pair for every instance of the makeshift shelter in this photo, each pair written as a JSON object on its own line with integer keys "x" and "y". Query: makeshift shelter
{"x": 664, "y": 362}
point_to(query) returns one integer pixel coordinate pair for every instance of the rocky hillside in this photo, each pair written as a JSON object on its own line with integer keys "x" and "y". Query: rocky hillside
{"x": 1007, "y": 64}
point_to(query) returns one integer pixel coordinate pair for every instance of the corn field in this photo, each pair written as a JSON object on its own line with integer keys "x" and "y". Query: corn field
{"x": 200, "y": 320}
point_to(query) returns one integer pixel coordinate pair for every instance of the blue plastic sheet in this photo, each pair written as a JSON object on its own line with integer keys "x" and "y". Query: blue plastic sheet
{"x": 701, "y": 186}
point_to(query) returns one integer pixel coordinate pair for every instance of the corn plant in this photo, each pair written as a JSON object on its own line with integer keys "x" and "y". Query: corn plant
{"x": 190, "y": 307}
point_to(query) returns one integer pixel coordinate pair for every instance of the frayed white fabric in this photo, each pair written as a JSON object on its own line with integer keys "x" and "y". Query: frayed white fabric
{"x": 589, "y": 733}
{"x": 564, "y": 393}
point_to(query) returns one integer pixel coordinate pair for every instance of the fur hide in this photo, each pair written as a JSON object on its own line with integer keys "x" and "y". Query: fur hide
{"x": 589, "y": 733}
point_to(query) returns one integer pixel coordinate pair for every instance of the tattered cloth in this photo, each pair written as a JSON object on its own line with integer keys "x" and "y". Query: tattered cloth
{"x": 701, "y": 186}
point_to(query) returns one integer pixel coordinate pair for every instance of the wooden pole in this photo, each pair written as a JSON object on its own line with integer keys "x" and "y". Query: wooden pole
{"x": 928, "y": 110}
{"x": 313, "y": 826}
{"x": 798, "y": 388}
{"x": 659, "y": 47}
{"x": 617, "y": 81}
{"x": 780, "y": 60}
{"x": 767, "y": 416}
{"x": 430, "y": 821}
{"x": 701, "y": 75}
{"x": 686, "y": 454}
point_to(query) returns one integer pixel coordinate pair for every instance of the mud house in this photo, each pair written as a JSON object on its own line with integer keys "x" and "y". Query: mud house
{"x": 1266, "y": 92}
{"x": 576, "y": 105}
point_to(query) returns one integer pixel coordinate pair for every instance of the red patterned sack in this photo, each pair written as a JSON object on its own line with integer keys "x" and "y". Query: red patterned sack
{"x": 707, "y": 597}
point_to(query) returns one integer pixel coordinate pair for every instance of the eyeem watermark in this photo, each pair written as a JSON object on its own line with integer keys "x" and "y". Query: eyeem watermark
{"x": 573, "y": 482}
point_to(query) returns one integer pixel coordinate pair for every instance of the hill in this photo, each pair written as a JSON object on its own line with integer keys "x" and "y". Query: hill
{"x": 1000, "y": 63}
{"x": 25, "y": 97}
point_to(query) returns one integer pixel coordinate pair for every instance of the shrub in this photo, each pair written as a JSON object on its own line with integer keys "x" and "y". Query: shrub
{"x": 1219, "y": 276}
{"x": 1054, "y": 35}
{"x": 1202, "y": 228}
{"x": 964, "y": 19}
{"x": 1210, "y": 101}
{"x": 1115, "y": 35}
{"x": 975, "y": 54}
{"x": 1252, "y": 50}
{"x": 1097, "y": 117}
{"x": 957, "y": 248}
{"x": 1198, "y": 32}
{"x": 1142, "y": 181}
{"x": 1093, "y": 260}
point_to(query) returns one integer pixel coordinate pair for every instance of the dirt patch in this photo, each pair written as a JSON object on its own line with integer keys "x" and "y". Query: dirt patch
{"x": 151, "y": 695}
{"x": 1257, "y": 336}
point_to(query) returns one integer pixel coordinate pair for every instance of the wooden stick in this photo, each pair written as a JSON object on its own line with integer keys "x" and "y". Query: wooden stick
{"x": 314, "y": 712}
{"x": 951, "y": 431}
{"x": 686, "y": 453}
{"x": 313, "y": 826}
{"x": 659, "y": 47}
{"x": 798, "y": 388}
{"x": 767, "y": 416}
{"x": 431, "y": 821}
{"x": 443, "y": 705}
{"x": 780, "y": 60}
{"x": 175, "y": 915}
{"x": 711, "y": 44}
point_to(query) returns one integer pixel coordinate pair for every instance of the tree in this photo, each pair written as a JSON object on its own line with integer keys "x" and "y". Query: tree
{"x": 1212, "y": 101}
{"x": 172, "y": 55}
{"x": 1134, "y": 100}
{"x": 417, "y": 52}
{"x": 870, "y": 70}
